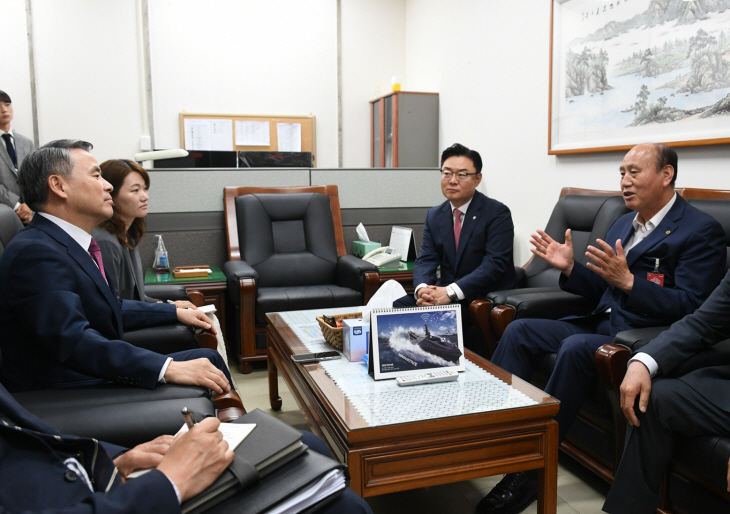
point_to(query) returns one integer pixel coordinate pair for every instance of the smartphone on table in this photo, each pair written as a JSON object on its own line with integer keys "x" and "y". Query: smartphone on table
{"x": 304, "y": 358}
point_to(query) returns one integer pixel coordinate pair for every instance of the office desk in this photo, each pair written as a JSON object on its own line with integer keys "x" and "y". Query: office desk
{"x": 402, "y": 274}
{"x": 487, "y": 423}
{"x": 213, "y": 288}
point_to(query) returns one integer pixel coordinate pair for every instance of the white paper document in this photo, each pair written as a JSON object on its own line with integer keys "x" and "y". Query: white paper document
{"x": 208, "y": 134}
{"x": 289, "y": 136}
{"x": 233, "y": 433}
{"x": 400, "y": 239}
{"x": 253, "y": 133}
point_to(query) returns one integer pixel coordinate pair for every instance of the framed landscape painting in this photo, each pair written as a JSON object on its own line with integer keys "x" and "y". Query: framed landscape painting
{"x": 623, "y": 72}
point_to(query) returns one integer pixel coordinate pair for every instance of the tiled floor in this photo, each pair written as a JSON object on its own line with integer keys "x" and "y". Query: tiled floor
{"x": 579, "y": 491}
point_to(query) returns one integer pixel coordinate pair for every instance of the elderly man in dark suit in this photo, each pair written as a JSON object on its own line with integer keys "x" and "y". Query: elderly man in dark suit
{"x": 61, "y": 320}
{"x": 469, "y": 238}
{"x": 669, "y": 409}
{"x": 13, "y": 149}
{"x": 44, "y": 470}
{"x": 655, "y": 267}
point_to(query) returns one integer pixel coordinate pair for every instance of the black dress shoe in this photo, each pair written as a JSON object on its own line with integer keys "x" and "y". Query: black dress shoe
{"x": 513, "y": 494}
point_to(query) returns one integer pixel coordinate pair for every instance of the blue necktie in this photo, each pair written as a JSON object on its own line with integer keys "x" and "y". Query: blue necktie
{"x": 11, "y": 149}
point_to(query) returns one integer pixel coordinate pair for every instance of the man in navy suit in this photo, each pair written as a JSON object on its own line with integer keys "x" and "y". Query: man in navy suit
{"x": 655, "y": 267}
{"x": 693, "y": 405}
{"x": 469, "y": 236}
{"x": 61, "y": 320}
{"x": 44, "y": 470}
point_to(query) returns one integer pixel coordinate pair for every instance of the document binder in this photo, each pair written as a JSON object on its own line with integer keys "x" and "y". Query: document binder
{"x": 268, "y": 447}
{"x": 296, "y": 479}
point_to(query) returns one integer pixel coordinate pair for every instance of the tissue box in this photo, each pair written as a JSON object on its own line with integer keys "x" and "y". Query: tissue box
{"x": 355, "y": 333}
{"x": 360, "y": 248}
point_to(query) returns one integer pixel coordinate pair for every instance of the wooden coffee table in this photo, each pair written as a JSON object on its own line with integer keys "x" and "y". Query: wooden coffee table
{"x": 384, "y": 456}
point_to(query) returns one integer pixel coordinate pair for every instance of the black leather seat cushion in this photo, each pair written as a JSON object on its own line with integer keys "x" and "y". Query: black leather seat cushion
{"x": 126, "y": 416}
{"x": 278, "y": 299}
{"x": 705, "y": 457}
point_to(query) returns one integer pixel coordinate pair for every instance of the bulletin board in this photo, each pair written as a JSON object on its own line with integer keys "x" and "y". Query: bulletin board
{"x": 248, "y": 132}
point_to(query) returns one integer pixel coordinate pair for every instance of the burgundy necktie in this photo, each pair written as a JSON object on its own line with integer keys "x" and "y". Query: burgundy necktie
{"x": 457, "y": 226}
{"x": 95, "y": 252}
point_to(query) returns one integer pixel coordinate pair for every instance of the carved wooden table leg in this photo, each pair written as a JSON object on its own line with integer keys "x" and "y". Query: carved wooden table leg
{"x": 274, "y": 397}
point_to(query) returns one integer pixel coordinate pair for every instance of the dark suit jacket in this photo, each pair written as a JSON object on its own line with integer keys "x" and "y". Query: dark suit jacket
{"x": 708, "y": 325}
{"x": 62, "y": 322}
{"x": 123, "y": 264}
{"x": 34, "y": 478}
{"x": 483, "y": 261}
{"x": 9, "y": 188}
{"x": 690, "y": 246}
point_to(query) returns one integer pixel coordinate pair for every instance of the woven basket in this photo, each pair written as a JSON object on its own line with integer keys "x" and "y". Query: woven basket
{"x": 334, "y": 335}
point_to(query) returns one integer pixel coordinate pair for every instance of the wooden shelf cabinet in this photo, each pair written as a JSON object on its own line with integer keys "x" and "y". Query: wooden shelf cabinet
{"x": 404, "y": 130}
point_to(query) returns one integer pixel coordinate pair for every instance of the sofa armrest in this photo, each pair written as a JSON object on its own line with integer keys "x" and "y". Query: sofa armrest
{"x": 612, "y": 359}
{"x": 235, "y": 272}
{"x": 500, "y": 297}
{"x": 163, "y": 339}
{"x": 166, "y": 292}
{"x": 350, "y": 271}
{"x": 480, "y": 310}
{"x": 542, "y": 304}
{"x": 635, "y": 338}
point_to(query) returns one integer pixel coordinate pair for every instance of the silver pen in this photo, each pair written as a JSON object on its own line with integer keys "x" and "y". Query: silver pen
{"x": 189, "y": 417}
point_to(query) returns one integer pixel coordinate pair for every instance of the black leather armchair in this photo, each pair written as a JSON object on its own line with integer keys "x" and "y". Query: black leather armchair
{"x": 286, "y": 252}
{"x": 589, "y": 214}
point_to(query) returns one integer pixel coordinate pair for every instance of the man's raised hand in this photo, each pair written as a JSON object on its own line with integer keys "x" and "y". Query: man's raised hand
{"x": 558, "y": 255}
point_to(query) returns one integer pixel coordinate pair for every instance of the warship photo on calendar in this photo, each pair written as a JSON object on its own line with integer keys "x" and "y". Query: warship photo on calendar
{"x": 410, "y": 341}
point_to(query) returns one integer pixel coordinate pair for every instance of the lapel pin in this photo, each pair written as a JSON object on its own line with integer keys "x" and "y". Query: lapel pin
{"x": 669, "y": 232}
{"x": 474, "y": 218}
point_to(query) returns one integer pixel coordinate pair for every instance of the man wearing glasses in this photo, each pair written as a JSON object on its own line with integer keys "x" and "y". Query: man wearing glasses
{"x": 469, "y": 237}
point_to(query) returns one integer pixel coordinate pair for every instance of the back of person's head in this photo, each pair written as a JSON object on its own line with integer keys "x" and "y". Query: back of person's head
{"x": 53, "y": 158}
{"x": 5, "y": 98}
{"x": 666, "y": 156}
{"x": 457, "y": 150}
{"x": 115, "y": 171}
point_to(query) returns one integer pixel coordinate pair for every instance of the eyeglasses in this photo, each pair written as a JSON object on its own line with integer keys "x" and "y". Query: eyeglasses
{"x": 460, "y": 176}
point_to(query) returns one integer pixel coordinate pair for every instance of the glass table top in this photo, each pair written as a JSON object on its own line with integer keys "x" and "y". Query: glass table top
{"x": 363, "y": 402}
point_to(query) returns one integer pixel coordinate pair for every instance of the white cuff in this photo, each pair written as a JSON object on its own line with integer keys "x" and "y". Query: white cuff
{"x": 458, "y": 291}
{"x": 161, "y": 378}
{"x": 648, "y": 361}
{"x": 419, "y": 286}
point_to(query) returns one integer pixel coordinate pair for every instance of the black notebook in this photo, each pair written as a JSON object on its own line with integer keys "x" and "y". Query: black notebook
{"x": 269, "y": 446}
{"x": 302, "y": 486}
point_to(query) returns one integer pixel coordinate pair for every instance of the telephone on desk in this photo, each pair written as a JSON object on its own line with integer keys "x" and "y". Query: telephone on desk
{"x": 383, "y": 257}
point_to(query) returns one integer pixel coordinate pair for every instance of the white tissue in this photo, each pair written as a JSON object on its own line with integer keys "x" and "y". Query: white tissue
{"x": 384, "y": 297}
{"x": 362, "y": 233}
